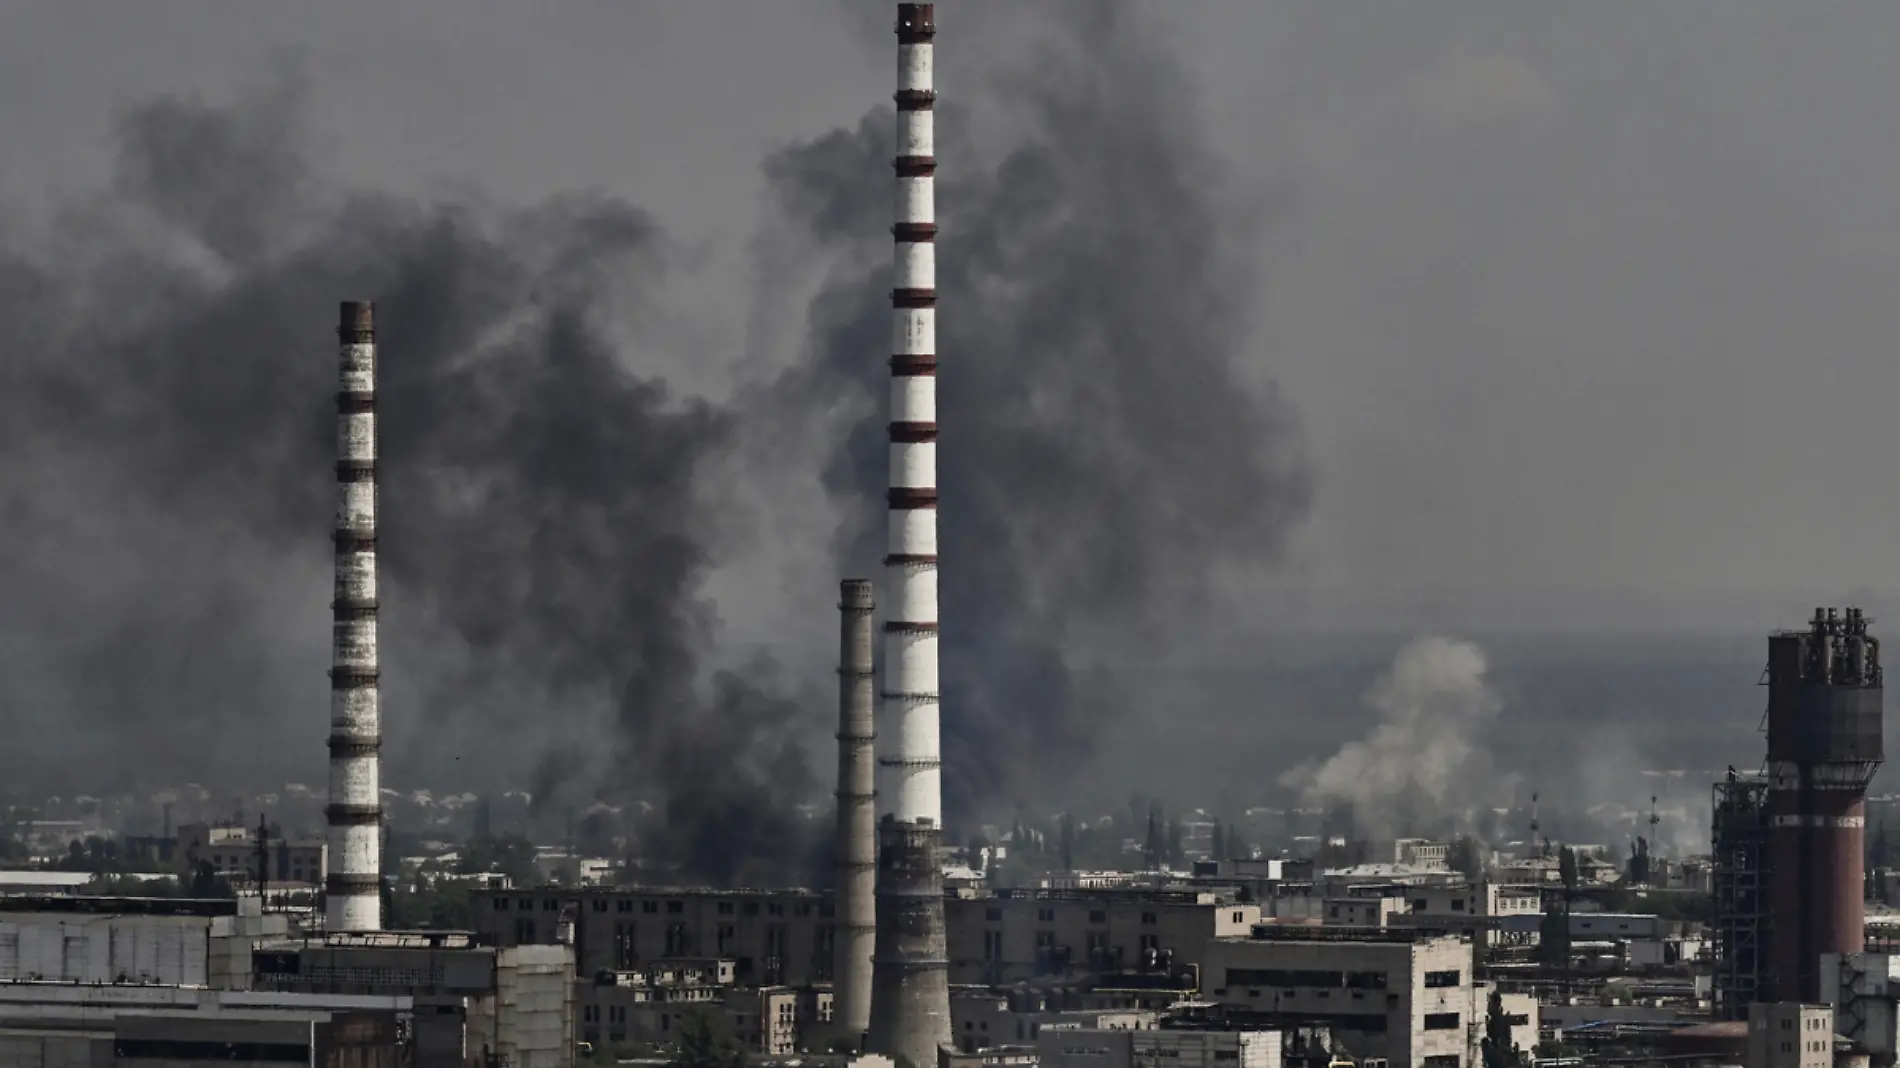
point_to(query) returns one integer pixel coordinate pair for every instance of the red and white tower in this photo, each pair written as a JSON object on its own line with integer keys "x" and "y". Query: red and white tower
{"x": 910, "y": 1006}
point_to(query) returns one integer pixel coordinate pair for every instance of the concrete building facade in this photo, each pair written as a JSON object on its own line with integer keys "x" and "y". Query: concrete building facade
{"x": 1079, "y": 1047}
{"x": 1406, "y": 996}
{"x": 1008, "y": 936}
{"x": 1790, "y": 1035}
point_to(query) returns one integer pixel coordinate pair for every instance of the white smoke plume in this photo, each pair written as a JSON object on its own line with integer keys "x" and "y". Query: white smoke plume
{"x": 1425, "y": 767}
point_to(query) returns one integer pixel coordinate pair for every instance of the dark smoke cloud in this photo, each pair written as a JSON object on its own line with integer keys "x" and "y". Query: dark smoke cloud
{"x": 546, "y": 515}
{"x": 1103, "y": 455}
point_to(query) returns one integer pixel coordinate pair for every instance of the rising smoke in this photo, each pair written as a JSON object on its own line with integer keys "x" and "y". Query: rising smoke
{"x": 545, "y": 527}
{"x": 1426, "y": 762}
{"x": 1103, "y": 454}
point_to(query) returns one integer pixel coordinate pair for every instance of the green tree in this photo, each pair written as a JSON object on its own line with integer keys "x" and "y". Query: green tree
{"x": 1553, "y": 936}
{"x": 702, "y": 1047}
{"x": 1499, "y": 1050}
{"x": 1466, "y": 858}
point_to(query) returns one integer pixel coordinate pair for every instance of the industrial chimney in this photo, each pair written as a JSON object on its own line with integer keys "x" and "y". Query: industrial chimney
{"x": 857, "y": 820}
{"x": 1825, "y": 741}
{"x": 910, "y": 1002}
{"x": 353, "y": 888}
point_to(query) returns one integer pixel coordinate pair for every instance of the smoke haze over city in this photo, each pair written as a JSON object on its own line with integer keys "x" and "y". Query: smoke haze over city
{"x": 1274, "y": 340}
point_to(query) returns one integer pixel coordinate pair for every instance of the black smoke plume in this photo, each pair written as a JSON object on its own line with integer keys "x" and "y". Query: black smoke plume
{"x": 169, "y": 366}
{"x": 1103, "y": 455}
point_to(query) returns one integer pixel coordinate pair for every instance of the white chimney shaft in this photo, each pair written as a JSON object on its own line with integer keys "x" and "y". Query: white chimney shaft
{"x": 353, "y": 887}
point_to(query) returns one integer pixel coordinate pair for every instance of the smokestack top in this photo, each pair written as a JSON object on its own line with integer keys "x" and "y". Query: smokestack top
{"x": 855, "y": 593}
{"x": 356, "y": 320}
{"x": 916, "y": 23}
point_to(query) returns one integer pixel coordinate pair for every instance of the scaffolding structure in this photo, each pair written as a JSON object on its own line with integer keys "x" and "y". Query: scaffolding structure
{"x": 1740, "y": 886}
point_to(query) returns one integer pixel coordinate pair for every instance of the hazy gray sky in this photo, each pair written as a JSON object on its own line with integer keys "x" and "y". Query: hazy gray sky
{"x": 1595, "y": 298}
{"x": 1585, "y": 311}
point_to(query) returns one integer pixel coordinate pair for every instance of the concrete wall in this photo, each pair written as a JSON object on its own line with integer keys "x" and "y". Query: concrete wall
{"x": 105, "y": 948}
{"x": 56, "y": 1051}
{"x": 530, "y": 1017}
{"x": 1405, "y": 998}
{"x": 1790, "y": 1035}
{"x": 773, "y": 937}
{"x": 1003, "y": 939}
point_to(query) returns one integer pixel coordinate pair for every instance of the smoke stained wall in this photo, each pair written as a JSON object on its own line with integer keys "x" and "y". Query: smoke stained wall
{"x": 1106, "y": 457}
{"x": 546, "y": 524}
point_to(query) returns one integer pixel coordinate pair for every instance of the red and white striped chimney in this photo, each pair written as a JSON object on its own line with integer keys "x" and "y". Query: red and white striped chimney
{"x": 913, "y": 792}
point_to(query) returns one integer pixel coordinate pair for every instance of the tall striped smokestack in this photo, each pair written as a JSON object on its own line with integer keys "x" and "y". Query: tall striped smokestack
{"x": 910, "y": 1003}
{"x": 857, "y": 820}
{"x": 353, "y": 889}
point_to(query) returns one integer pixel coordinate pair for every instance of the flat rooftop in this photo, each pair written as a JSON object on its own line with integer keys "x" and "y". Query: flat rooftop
{"x": 98, "y": 905}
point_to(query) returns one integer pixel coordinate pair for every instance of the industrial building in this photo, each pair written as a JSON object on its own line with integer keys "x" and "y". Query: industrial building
{"x": 1405, "y": 996}
{"x": 1074, "y": 1047}
{"x": 1789, "y": 848}
{"x": 236, "y": 851}
{"x": 469, "y": 999}
{"x": 63, "y": 1024}
{"x": 1007, "y": 936}
{"x": 1790, "y": 1035}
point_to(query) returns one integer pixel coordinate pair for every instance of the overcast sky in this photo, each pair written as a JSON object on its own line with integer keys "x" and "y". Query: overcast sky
{"x": 1586, "y": 313}
{"x": 1597, "y": 298}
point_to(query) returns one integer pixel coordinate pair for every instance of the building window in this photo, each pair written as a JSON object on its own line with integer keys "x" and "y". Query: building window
{"x": 1149, "y": 919}
{"x": 1443, "y": 1060}
{"x": 1045, "y": 915}
{"x": 826, "y": 912}
{"x": 524, "y": 931}
{"x": 750, "y": 908}
{"x": 1457, "y": 904}
{"x": 1441, "y": 1021}
{"x": 623, "y": 905}
{"x": 674, "y": 908}
{"x": 501, "y": 904}
{"x": 600, "y": 904}
{"x": 725, "y": 908}
{"x": 1439, "y": 980}
{"x": 802, "y": 910}
{"x": 650, "y": 907}
{"x": 616, "y": 1014}
{"x": 775, "y": 909}
{"x": 590, "y": 1014}
{"x": 1098, "y": 916}
{"x": 993, "y": 915}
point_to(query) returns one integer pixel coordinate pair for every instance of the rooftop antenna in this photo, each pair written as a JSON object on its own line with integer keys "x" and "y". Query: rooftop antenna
{"x": 263, "y": 863}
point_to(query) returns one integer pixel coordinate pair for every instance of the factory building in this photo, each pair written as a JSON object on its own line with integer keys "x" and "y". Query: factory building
{"x": 786, "y": 937}
{"x": 1790, "y": 1035}
{"x": 651, "y": 1005}
{"x": 233, "y": 851}
{"x": 1489, "y": 914}
{"x": 1825, "y": 739}
{"x": 1073, "y": 1047}
{"x": 118, "y": 940}
{"x": 1405, "y": 996}
{"x": 773, "y": 937}
{"x": 63, "y": 1024}
{"x": 1008, "y": 936}
{"x": 470, "y": 1000}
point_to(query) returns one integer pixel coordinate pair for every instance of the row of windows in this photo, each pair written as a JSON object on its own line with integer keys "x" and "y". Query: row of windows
{"x": 1439, "y": 980}
{"x": 1148, "y": 919}
{"x": 1306, "y": 977}
{"x": 673, "y": 908}
{"x": 1441, "y": 1021}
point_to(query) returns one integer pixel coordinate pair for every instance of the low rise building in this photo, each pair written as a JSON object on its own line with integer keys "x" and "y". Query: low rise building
{"x": 1403, "y": 995}
{"x": 772, "y": 937}
{"x": 1074, "y": 1047}
{"x": 1009, "y": 936}
{"x": 1790, "y": 1035}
